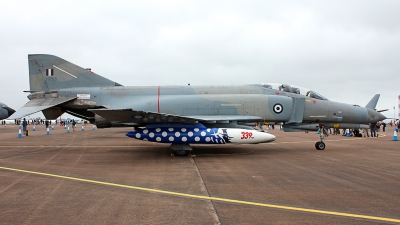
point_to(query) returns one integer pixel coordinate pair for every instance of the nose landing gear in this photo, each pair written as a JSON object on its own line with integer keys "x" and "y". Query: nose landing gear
{"x": 320, "y": 145}
{"x": 323, "y": 132}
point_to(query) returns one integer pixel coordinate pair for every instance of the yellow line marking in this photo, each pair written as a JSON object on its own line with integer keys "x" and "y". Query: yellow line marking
{"x": 77, "y": 146}
{"x": 290, "y": 208}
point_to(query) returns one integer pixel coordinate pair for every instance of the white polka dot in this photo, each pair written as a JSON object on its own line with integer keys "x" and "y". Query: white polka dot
{"x": 207, "y": 139}
{"x": 164, "y": 134}
{"x": 190, "y": 133}
{"x": 177, "y": 134}
{"x": 208, "y": 130}
{"x": 144, "y": 139}
{"x": 184, "y": 139}
{"x": 158, "y": 139}
{"x": 196, "y": 129}
{"x": 171, "y": 138}
{"x": 158, "y": 129}
{"x": 183, "y": 129}
{"x": 171, "y": 129}
{"x": 203, "y": 133}
{"x": 138, "y": 135}
{"x": 197, "y": 139}
{"x": 151, "y": 134}
{"x": 145, "y": 131}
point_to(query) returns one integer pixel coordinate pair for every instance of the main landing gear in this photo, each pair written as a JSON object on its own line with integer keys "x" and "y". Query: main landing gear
{"x": 323, "y": 132}
{"x": 180, "y": 149}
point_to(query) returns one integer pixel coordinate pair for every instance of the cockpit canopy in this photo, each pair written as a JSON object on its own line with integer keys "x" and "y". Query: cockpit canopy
{"x": 293, "y": 89}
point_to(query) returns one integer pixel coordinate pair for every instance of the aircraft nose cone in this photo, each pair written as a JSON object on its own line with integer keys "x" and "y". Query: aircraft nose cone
{"x": 381, "y": 117}
{"x": 9, "y": 110}
{"x": 374, "y": 116}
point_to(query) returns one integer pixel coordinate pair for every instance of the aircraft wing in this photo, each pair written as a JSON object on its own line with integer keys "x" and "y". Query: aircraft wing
{"x": 36, "y": 105}
{"x": 135, "y": 116}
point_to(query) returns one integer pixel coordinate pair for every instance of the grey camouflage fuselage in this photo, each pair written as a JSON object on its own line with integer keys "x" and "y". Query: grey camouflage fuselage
{"x": 66, "y": 83}
{"x": 169, "y": 113}
{"x": 245, "y": 100}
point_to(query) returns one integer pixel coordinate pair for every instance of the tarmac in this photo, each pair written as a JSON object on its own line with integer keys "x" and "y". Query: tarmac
{"x": 103, "y": 177}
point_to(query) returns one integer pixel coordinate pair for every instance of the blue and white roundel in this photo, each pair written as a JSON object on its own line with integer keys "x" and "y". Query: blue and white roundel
{"x": 278, "y": 108}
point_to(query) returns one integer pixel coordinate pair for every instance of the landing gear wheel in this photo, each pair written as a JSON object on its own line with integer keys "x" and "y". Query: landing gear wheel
{"x": 320, "y": 145}
{"x": 181, "y": 152}
{"x": 180, "y": 149}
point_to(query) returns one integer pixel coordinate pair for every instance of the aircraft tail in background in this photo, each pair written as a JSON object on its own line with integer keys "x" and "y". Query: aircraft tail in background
{"x": 372, "y": 103}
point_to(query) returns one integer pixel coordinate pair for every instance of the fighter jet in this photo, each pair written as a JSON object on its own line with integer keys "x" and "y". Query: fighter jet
{"x": 183, "y": 115}
{"x": 5, "y": 111}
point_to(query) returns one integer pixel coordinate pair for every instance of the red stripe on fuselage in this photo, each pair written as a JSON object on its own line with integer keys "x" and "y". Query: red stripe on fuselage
{"x": 158, "y": 100}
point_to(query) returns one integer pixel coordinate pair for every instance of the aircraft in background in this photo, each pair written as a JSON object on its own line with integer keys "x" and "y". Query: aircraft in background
{"x": 184, "y": 115}
{"x": 5, "y": 111}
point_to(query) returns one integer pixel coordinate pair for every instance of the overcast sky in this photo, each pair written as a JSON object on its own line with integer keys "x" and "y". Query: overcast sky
{"x": 345, "y": 50}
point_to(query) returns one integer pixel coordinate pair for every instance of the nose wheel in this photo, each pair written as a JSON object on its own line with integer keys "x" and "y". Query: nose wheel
{"x": 320, "y": 145}
{"x": 323, "y": 132}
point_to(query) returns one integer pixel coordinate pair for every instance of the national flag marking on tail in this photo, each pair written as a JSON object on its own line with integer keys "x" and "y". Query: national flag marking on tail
{"x": 49, "y": 72}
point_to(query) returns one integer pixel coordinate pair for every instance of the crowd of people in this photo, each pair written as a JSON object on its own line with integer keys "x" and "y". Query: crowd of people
{"x": 24, "y": 123}
{"x": 42, "y": 121}
{"x": 371, "y": 132}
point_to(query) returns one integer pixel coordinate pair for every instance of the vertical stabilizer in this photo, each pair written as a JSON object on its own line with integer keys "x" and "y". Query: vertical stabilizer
{"x": 49, "y": 72}
{"x": 372, "y": 104}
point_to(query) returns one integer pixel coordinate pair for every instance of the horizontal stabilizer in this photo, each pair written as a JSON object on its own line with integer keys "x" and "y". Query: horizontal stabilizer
{"x": 36, "y": 105}
{"x": 134, "y": 116}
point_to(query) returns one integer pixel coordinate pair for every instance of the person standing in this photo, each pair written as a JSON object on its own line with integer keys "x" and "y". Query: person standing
{"x": 383, "y": 126}
{"x": 24, "y": 126}
{"x": 373, "y": 132}
{"x": 73, "y": 124}
{"x": 378, "y": 126}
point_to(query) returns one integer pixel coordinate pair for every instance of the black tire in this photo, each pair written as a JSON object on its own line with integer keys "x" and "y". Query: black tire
{"x": 320, "y": 145}
{"x": 181, "y": 152}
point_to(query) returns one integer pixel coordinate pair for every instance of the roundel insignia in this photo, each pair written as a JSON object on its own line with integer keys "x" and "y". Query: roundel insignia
{"x": 278, "y": 108}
